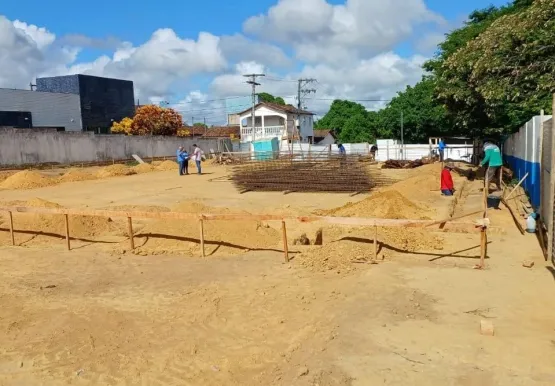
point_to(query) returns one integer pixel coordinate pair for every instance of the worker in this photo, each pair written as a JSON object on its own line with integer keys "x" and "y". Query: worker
{"x": 342, "y": 154}
{"x": 441, "y": 148}
{"x": 197, "y": 156}
{"x": 494, "y": 160}
{"x": 373, "y": 151}
{"x": 341, "y": 148}
{"x": 180, "y": 161}
{"x": 185, "y": 158}
{"x": 447, "y": 186}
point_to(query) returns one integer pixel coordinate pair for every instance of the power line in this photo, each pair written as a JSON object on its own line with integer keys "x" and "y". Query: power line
{"x": 302, "y": 90}
{"x": 253, "y": 83}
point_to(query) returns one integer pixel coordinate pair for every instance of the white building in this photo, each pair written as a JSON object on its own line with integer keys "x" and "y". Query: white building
{"x": 274, "y": 120}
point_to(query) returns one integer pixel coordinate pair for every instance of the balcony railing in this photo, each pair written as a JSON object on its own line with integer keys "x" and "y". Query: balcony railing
{"x": 262, "y": 132}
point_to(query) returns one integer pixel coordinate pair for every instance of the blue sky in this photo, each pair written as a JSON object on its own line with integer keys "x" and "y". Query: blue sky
{"x": 353, "y": 56}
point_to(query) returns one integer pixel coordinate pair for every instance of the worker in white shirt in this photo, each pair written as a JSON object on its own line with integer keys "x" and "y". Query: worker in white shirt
{"x": 197, "y": 156}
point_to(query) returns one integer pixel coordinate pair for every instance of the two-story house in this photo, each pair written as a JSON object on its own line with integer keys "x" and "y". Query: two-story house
{"x": 275, "y": 120}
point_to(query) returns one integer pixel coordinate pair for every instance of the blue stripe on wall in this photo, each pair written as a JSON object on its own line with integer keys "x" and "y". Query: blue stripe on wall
{"x": 532, "y": 183}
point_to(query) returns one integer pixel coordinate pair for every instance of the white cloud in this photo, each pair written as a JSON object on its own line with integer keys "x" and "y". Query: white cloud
{"x": 155, "y": 65}
{"x": 239, "y": 48}
{"x": 320, "y": 31}
{"x": 27, "y": 51}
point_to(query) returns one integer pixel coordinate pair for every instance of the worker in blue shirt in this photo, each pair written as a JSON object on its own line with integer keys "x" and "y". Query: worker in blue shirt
{"x": 441, "y": 148}
{"x": 182, "y": 160}
{"x": 341, "y": 148}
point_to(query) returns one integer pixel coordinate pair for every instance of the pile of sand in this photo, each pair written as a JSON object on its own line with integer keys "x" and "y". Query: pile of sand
{"x": 4, "y": 175}
{"x": 27, "y": 179}
{"x": 116, "y": 170}
{"x": 167, "y": 166}
{"x": 54, "y": 224}
{"x": 144, "y": 168}
{"x": 75, "y": 175}
{"x": 347, "y": 250}
{"x": 223, "y": 237}
{"x": 385, "y": 204}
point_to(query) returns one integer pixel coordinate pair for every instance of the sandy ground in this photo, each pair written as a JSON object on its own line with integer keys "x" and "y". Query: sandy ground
{"x": 96, "y": 316}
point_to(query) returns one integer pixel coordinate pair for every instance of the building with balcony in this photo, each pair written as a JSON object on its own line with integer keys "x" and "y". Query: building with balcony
{"x": 274, "y": 120}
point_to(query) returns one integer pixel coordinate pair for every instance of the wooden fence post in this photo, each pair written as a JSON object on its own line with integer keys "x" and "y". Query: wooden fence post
{"x": 68, "y": 242}
{"x": 11, "y": 227}
{"x": 130, "y": 231}
{"x": 375, "y": 242}
{"x": 285, "y": 247}
{"x": 201, "y": 223}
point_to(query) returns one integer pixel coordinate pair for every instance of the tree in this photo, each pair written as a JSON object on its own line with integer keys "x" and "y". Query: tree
{"x": 122, "y": 127}
{"x": 348, "y": 119}
{"x": 269, "y": 98}
{"x": 200, "y": 124}
{"x": 470, "y": 109}
{"x": 156, "y": 120}
{"x": 422, "y": 115}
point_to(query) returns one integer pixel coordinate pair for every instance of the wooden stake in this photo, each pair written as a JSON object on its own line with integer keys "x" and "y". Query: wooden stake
{"x": 483, "y": 247}
{"x": 130, "y": 231}
{"x": 11, "y": 227}
{"x": 201, "y": 223}
{"x": 516, "y": 187}
{"x": 375, "y": 243}
{"x": 285, "y": 247}
{"x": 66, "y": 217}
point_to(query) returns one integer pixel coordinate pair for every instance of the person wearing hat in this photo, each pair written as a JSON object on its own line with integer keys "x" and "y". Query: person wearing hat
{"x": 494, "y": 161}
{"x": 447, "y": 186}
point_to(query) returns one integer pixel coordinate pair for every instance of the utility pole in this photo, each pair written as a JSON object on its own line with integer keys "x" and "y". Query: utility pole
{"x": 193, "y": 127}
{"x": 205, "y": 127}
{"x": 302, "y": 90}
{"x": 253, "y": 83}
{"x": 402, "y": 137}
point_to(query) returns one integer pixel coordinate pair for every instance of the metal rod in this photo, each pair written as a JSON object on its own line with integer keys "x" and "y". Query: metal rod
{"x": 130, "y": 231}
{"x": 68, "y": 242}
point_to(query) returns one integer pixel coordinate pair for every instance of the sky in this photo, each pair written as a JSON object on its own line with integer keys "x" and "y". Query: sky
{"x": 193, "y": 54}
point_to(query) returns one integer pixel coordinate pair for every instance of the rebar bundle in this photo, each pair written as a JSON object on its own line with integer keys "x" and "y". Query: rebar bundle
{"x": 329, "y": 174}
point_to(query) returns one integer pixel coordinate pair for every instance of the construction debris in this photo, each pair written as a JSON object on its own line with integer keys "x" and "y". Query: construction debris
{"x": 335, "y": 174}
{"x": 403, "y": 164}
{"x": 486, "y": 328}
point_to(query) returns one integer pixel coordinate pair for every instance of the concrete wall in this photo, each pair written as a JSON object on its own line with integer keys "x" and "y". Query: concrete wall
{"x": 47, "y": 109}
{"x": 21, "y": 147}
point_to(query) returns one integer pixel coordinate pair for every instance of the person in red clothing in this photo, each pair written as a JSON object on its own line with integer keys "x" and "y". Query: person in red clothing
{"x": 447, "y": 186}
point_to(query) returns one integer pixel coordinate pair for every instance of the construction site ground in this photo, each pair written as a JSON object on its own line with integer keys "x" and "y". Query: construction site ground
{"x": 102, "y": 314}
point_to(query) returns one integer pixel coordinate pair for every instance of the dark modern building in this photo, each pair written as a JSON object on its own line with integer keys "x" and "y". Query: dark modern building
{"x": 102, "y": 100}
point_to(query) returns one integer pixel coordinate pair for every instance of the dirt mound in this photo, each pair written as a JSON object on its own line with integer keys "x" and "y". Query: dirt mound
{"x": 75, "y": 175}
{"x": 222, "y": 237}
{"x": 115, "y": 171}
{"x": 4, "y": 175}
{"x": 167, "y": 166}
{"x": 353, "y": 249}
{"x": 144, "y": 168}
{"x": 27, "y": 179}
{"x": 48, "y": 225}
{"x": 385, "y": 204}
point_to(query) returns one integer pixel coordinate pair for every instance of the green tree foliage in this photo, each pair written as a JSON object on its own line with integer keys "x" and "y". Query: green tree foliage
{"x": 422, "y": 117}
{"x": 490, "y": 37}
{"x": 488, "y": 77}
{"x": 350, "y": 121}
{"x": 269, "y": 98}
